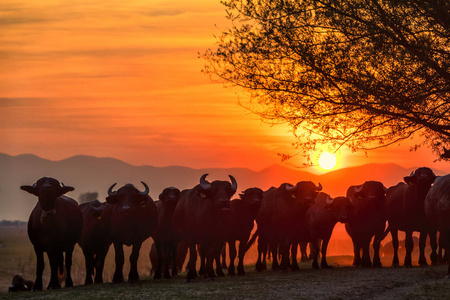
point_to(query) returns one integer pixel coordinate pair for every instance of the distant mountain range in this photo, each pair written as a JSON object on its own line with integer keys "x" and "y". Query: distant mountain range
{"x": 89, "y": 174}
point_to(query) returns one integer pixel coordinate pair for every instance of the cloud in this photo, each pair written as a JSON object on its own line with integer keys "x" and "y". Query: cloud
{"x": 6, "y": 102}
{"x": 164, "y": 13}
{"x": 12, "y": 21}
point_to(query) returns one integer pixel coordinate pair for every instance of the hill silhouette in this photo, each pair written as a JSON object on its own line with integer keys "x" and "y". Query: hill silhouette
{"x": 89, "y": 174}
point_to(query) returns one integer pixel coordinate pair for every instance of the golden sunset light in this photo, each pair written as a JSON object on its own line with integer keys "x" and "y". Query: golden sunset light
{"x": 225, "y": 142}
{"x": 327, "y": 160}
{"x": 124, "y": 80}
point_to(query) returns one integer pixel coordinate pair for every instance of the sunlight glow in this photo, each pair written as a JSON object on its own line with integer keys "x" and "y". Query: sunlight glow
{"x": 327, "y": 160}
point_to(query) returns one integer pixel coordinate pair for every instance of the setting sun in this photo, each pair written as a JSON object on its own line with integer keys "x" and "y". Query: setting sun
{"x": 327, "y": 160}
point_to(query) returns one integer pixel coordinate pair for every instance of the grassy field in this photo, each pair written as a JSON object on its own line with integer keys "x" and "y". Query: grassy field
{"x": 341, "y": 282}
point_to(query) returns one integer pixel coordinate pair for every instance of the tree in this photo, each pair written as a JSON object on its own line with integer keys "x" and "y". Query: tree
{"x": 88, "y": 197}
{"x": 358, "y": 73}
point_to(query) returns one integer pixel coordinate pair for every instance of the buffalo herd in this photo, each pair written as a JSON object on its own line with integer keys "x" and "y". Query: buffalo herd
{"x": 205, "y": 218}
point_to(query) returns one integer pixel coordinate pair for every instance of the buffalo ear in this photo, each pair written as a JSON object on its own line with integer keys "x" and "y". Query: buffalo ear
{"x": 30, "y": 189}
{"x": 144, "y": 198}
{"x": 410, "y": 179}
{"x": 66, "y": 189}
{"x": 111, "y": 199}
{"x": 161, "y": 197}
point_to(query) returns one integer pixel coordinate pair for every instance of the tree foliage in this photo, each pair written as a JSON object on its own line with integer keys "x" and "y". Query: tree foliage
{"x": 88, "y": 197}
{"x": 360, "y": 73}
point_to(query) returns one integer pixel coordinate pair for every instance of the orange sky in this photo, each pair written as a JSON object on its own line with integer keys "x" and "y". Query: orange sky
{"x": 122, "y": 79}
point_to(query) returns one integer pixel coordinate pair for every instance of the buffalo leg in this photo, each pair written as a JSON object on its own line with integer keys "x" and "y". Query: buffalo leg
{"x": 325, "y": 242}
{"x": 433, "y": 244}
{"x": 134, "y": 275}
{"x": 376, "y": 251}
{"x": 242, "y": 250}
{"x": 210, "y": 256}
{"x": 294, "y": 247}
{"x": 68, "y": 262}
{"x": 284, "y": 252}
{"x": 303, "y": 251}
{"x": 89, "y": 265}
{"x": 232, "y": 253}
{"x": 365, "y": 260}
{"x": 173, "y": 257}
{"x": 120, "y": 259}
{"x": 314, "y": 246}
{"x": 262, "y": 250}
{"x": 422, "y": 244}
{"x": 39, "y": 269}
{"x": 409, "y": 245}
{"x": 356, "y": 252}
{"x": 55, "y": 261}
{"x": 446, "y": 237}
{"x": 274, "y": 250}
{"x": 159, "y": 260}
{"x": 224, "y": 256}
{"x": 202, "y": 250}
{"x": 100, "y": 263}
{"x": 394, "y": 234}
{"x": 192, "y": 272}
{"x": 169, "y": 255}
{"x": 216, "y": 252}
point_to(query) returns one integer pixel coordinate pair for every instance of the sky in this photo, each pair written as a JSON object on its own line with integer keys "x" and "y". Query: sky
{"x": 123, "y": 79}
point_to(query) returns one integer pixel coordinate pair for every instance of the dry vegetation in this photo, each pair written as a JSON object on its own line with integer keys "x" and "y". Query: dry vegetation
{"x": 341, "y": 282}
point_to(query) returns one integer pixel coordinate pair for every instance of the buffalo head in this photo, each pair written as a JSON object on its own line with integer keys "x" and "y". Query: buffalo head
{"x": 252, "y": 196}
{"x": 304, "y": 191}
{"x": 128, "y": 198}
{"x": 47, "y": 189}
{"x": 96, "y": 208}
{"x": 340, "y": 207}
{"x": 369, "y": 195}
{"x": 422, "y": 177}
{"x": 169, "y": 196}
{"x": 218, "y": 191}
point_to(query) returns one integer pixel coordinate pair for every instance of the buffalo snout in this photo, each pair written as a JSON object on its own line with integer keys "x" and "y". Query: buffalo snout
{"x": 224, "y": 204}
{"x": 126, "y": 210}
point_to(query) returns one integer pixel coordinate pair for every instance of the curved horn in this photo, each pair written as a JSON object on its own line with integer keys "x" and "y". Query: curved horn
{"x": 291, "y": 188}
{"x": 358, "y": 189}
{"x": 110, "y": 190}
{"x": 233, "y": 183}
{"x": 203, "y": 183}
{"x": 329, "y": 200}
{"x": 319, "y": 188}
{"x": 62, "y": 184}
{"x": 146, "y": 189}
{"x": 384, "y": 188}
{"x": 412, "y": 174}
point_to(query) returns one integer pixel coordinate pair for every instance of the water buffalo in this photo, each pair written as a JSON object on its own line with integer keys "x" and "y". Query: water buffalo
{"x": 166, "y": 240}
{"x": 437, "y": 210}
{"x": 202, "y": 217}
{"x": 321, "y": 219}
{"x": 130, "y": 218}
{"x": 405, "y": 212}
{"x": 281, "y": 222}
{"x": 54, "y": 227}
{"x": 368, "y": 221}
{"x": 19, "y": 284}
{"x": 94, "y": 242}
{"x": 243, "y": 214}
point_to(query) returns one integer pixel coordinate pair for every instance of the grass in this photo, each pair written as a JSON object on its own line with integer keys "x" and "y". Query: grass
{"x": 340, "y": 282}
